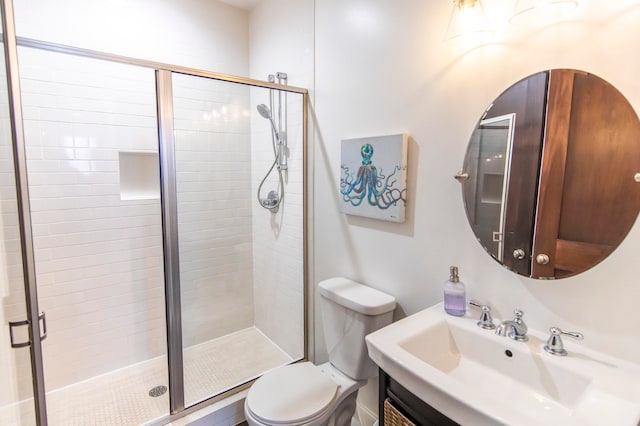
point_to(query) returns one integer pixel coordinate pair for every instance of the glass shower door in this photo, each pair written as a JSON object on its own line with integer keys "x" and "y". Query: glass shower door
{"x": 16, "y": 388}
{"x": 92, "y": 160}
{"x": 232, "y": 332}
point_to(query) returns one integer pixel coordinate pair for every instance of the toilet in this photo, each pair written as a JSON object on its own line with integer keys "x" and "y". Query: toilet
{"x": 304, "y": 394}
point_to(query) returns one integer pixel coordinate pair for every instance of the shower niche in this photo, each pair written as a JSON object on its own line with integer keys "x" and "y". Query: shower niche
{"x": 139, "y": 175}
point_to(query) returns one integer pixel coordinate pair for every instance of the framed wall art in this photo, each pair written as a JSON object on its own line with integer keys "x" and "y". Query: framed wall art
{"x": 373, "y": 177}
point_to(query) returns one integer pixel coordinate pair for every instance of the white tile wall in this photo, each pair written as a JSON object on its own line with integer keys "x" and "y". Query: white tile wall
{"x": 214, "y": 213}
{"x": 278, "y": 249}
{"x": 98, "y": 258}
{"x": 278, "y": 238}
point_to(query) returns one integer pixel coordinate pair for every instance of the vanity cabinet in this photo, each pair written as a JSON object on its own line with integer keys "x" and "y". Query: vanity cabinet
{"x": 407, "y": 404}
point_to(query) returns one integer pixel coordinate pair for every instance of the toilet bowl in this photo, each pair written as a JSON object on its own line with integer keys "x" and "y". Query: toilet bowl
{"x": 303, "y": 394}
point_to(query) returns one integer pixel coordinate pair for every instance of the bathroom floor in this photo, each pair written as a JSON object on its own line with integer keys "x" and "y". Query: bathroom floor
{"x": 122, "y": 397}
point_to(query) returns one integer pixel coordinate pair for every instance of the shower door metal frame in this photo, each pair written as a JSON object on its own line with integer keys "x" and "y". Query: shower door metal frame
{"x": 169, "y": 206}
{"x": 168, "y": 199}
{"x": 166, "y": 140}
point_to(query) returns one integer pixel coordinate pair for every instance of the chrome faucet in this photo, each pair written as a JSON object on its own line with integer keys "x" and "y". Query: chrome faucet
{"x": 514, "y": 329}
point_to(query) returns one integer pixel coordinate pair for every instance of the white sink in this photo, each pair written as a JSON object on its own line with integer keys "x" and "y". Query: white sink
{"x": 478, "y": 378}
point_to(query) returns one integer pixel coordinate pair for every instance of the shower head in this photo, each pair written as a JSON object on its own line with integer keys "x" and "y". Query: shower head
{"x": 264, "y": 111}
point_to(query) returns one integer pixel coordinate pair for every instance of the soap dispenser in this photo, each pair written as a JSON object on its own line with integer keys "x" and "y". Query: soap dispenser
{"x": 455, "y": 302}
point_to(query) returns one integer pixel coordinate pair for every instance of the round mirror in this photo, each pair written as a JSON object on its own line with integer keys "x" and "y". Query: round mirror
{"x": 551, "y": 177}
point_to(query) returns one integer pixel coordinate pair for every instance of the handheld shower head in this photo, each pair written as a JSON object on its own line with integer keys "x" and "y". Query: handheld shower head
{"x": 264, "y": 111}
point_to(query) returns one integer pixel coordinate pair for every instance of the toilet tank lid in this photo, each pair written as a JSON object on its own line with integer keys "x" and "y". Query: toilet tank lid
{"x": 356, "y": 296}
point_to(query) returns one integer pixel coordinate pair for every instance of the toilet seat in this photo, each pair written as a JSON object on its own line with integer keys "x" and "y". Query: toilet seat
{"x": 291, "y": 395}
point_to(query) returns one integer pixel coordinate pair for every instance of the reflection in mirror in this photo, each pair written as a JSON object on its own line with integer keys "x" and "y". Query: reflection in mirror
{"x": 489, "y": 152}
{"x": 551, "y": 165}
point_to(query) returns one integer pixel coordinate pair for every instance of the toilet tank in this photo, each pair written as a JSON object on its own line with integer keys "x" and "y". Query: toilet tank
{"x": 350, "y": 311}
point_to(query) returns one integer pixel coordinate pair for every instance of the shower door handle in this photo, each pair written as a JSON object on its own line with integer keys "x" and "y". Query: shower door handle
{"x": 13, "y": 324}
{"x": 42, "y": 317}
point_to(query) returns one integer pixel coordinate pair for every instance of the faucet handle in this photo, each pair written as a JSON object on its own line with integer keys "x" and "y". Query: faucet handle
{"x": 518, "y": 318}
{"x": 555, "y": 346}
{"x": 485, "y": 320}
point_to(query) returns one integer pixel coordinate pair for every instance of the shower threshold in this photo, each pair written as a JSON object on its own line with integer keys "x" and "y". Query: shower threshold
{"x": 122, "y": 397}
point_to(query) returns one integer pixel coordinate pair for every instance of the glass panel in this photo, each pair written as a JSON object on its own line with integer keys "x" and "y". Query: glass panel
{"x": 492, "y": 144}
{"x": 278, "y": 239}
{"x": 241, "y": 266}
{"x": 92, "y": 152}
{"x": 16, "y": 388}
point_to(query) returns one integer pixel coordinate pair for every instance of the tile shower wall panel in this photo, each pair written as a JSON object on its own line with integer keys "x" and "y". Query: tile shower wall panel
{"x": 98, "y": 258}
{"x": 214, "y": 207}
{"x": 278, "y": 244}
{"x": 272, "y": 48}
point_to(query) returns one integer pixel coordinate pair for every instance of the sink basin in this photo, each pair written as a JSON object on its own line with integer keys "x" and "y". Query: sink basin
{"x": 475, "y": 377}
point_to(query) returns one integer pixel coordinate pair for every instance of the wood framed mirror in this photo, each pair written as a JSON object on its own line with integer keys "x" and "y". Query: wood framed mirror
{"x": 552, "y": 174}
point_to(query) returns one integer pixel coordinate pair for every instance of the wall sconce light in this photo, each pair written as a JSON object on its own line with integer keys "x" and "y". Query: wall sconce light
{"x": 468, "y": 18}
{"x": 543, "y": 8}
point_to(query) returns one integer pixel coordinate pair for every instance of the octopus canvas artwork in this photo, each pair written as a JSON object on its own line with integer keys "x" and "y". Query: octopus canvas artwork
{"x": 373, "y": 177}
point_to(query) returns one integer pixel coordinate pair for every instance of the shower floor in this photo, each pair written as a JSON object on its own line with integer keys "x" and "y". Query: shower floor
{"x": 122, "y": 397}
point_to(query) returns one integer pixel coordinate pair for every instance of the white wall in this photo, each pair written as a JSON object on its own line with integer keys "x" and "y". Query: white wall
{"x": 281, "y": 39}
{"x": 381, "y": 68}
{"x": 193, "y": 33}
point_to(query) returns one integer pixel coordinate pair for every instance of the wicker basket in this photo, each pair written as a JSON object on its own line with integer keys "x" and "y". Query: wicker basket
{"x": 393, "y": 417}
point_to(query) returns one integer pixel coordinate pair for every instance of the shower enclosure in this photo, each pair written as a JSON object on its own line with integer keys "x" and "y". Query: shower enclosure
{"x": 139, "y": 274}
